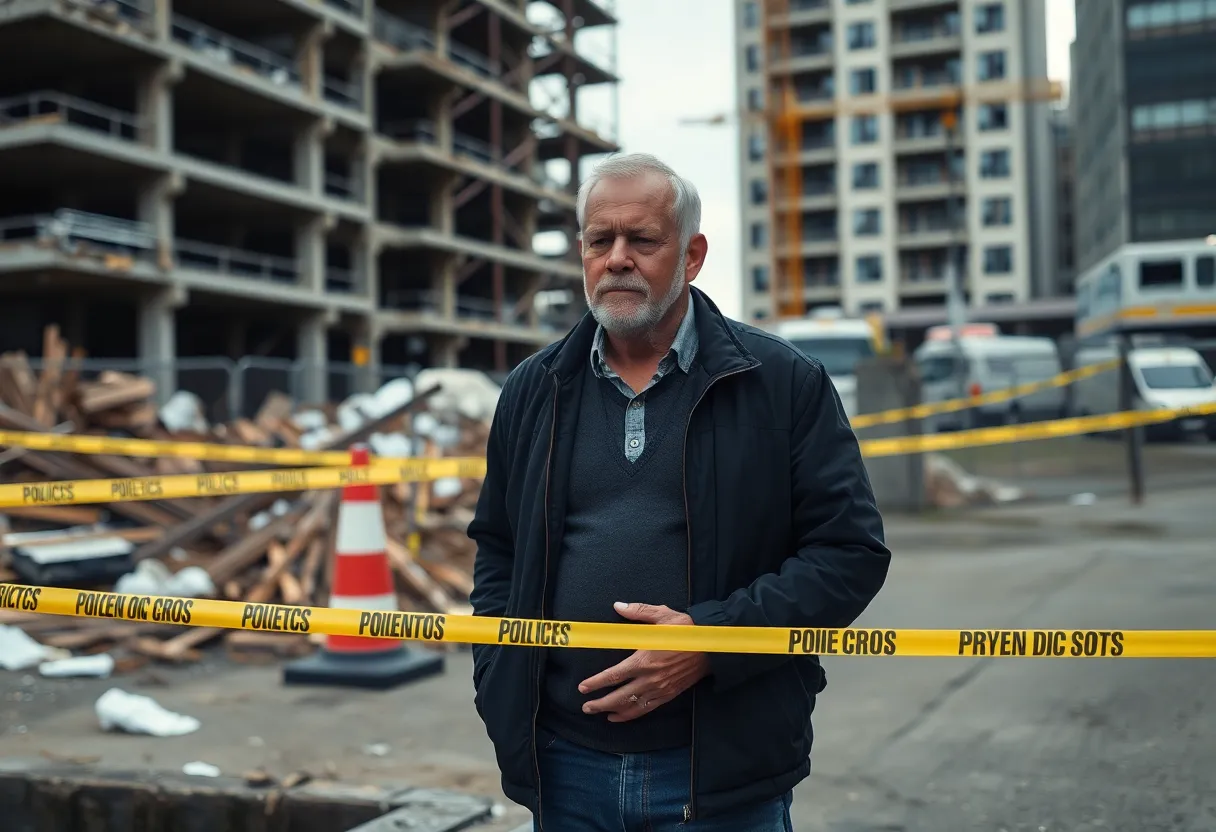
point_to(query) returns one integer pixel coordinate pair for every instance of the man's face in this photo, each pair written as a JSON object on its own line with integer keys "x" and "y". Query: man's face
{"x": 633, "y": 265}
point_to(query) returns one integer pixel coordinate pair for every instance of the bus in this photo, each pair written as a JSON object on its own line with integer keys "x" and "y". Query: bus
{"x": 836, "y": 342}
{"x": 1150, "y": 287}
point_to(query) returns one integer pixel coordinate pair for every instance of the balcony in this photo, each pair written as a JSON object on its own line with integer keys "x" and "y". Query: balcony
{"x": 343, "y": 93}
{"x": 920, "y": 88}
{"x": 234, "y": 262}
{"x": 80, "y": 232}
{"x": 803, "y": 13}
{"x": 814, "y": 243}
{"x": 920, "y": 138}
{"x": 49, "y": 107}
{"x": 932, "y": 231}
{"x": 815, "y": 196}
{"x": 804, "y": 59}
{"x": 225, "y": 50}
{"x": 408, "y": 37}
{"x": 914, "y": 41}
{"x": 924, "y": 186}
{"x": 920, "y": 5}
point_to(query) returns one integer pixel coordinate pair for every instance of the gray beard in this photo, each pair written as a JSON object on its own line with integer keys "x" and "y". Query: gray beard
{"x": 646, "y": 317}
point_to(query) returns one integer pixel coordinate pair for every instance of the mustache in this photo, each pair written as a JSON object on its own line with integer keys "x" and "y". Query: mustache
{"x": 623, "y": 282}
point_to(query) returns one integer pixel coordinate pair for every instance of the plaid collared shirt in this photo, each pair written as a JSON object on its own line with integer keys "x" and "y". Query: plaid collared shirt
{"x": 680, "y": 356}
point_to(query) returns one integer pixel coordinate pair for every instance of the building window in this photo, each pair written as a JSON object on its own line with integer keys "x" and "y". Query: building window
{"x": 997, "y": 210}
{"x": 1000, "y": 297}
{"x": 861, "y": 35}
{"x": 760, "y": 279}
{"x": 759, "y": 235}
{"x": 751, "y": 57}
{"x": 989, "y": 17}
{"x": 869, "y": 268}
{"x": 755, "y": 100}
{"x": 1172, "y": 115}
{"x": 993, "y": 116}
{"x": 755, "y": 146}
{"x": 867, "y": 222}
{"x": 998, "y": 260}
{"x": 1205, "y": 272}
{"x": 760, "y": 314}
{"x": 865, "y": 176}
{"x": 759, "y": 191}
{"x": 862, "y": 81}
{"x": 1169, "y": 13}
{"x": 868, "y": 306}
{"x": 994, "y": 164}
{"x": 865, "y": 129}
{"x": 751, "y": 15}
{"x": 991, "y": 66}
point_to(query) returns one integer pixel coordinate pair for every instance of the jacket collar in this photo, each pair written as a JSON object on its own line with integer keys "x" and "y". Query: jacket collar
{"x": 719, "y": 349}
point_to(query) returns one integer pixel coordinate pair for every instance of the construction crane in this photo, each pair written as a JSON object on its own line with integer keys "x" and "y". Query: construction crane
{"x": 784, "y": 116}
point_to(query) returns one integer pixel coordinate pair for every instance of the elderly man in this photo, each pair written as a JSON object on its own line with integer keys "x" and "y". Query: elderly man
{"x": 663, "y": 464}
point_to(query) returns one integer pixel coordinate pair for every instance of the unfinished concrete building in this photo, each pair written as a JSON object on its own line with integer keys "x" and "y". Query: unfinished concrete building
{"x": 325, "y": 182}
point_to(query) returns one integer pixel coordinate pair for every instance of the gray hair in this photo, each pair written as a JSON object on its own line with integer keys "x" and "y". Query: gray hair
{"x": 685, "y": 202}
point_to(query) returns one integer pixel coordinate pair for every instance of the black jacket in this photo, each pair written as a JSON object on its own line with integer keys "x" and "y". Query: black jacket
{"x": 783, "y": 531}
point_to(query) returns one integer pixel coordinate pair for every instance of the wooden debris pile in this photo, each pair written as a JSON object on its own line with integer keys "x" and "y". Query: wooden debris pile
{"x": 273, "y": 548}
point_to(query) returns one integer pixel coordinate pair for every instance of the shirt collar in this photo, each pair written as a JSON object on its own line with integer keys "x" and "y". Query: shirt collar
{"x": 684, "y": 347}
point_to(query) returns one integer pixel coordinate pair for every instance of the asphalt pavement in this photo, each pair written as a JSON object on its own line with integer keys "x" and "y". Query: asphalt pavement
{"x": 902, "y": 745}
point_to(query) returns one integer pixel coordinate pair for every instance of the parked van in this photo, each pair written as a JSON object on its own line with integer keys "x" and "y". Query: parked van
{"x": 837, "y": 342}
{"x": 1162, "y": 377}
{"x": 985, "y": 361}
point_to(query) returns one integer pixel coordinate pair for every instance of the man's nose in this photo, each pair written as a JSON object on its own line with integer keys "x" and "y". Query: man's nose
{"x": 618, "y": 255}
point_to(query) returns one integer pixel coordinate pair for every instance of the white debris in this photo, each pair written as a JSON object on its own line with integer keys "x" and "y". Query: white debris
{"x": 446, "y": 487}
{"x": 152, "y": 577}
{"x": 468, "y": 393}
{"x": 259, "y": 520}
{"x": 948, "y": 485}
{"x": 376, "y": 749}
{"x": 394, "y": 394}
{"x": 18, "y": 651}
{"x": 391, "y": 445}
{"x": 315, "y": 439}
{"x": 425, "y": 423}
{"x": 118, "y": 710}
{"x": 355, "y": 411}
{"x": 184, "y": 412}
{"x": 446, "y": 436}
{"x": 1084, "y": 499}
{"x": 310, "y": 420}
{"x": 99, "y": 666}
{"x": 201, "y": 769}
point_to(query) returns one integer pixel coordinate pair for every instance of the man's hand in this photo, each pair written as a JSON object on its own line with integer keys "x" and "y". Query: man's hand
{"x": 654, "y": 677}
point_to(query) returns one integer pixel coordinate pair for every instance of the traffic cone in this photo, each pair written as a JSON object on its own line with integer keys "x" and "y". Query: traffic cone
{"x": 362, "y": 580}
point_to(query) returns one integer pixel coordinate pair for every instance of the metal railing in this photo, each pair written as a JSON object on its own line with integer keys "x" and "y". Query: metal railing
{"x": 948, "y": 28}
{"x": 343, "y": 186}
{"x": 401, "y": 34}
{"x": 467, "y": 307}
{"x": 47, "y": 105}
{"x": 351, "y": 7}
{"x": 67, "y": 226}
{"x": 236, "y": 262}
{"x": 226, "y": 49}
{"x": 137, "y": 11}
{"x": 342, "y": 92}
{"x": 411, "y": 130}
{"x": 341, "y": 280}
{"x": 927, "y": 81}
{"x": 463, "y": 145}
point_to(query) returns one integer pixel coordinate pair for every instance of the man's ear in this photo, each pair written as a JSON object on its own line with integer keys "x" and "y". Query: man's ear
{"x": 694, "y": 256}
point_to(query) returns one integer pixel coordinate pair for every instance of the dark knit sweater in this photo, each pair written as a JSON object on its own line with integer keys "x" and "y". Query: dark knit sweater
{"x": 624, "y": 539}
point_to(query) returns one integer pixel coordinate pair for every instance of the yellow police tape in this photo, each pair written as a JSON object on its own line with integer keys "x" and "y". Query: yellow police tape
{"x": 1053, "y": 429}
{"x": 922, "y": 411}
{"x": 204, "y": 451}
{"x": 381, "y": 472}
{"x": 468, "y": 629}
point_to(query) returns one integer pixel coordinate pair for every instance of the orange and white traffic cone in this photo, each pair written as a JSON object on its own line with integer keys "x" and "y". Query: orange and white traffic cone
{"x": 362, "y": 580}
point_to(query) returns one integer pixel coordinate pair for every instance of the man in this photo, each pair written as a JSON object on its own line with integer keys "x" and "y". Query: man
{"x": 667, "y": 465}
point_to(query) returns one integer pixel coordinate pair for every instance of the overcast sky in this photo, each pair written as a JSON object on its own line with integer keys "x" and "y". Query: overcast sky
{"x": 676, "y": 59}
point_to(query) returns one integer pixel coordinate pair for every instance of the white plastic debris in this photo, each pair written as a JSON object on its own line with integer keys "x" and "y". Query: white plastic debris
{"x": 18, "y": 651}
{"x": 200, "y": 769}
{"x": 376, "y": 749}
{"x": 446, "y": 487}
{"x": 118, "y": 710}
{"x": 355, "y": 411}
{"x": 314, "y": 439}
{"x": 394, "y": 394}
{"x": 310, "y": 420}
{"x": 468, "y": 393}
{"x": 1083, "y": 499}
{"x": 446, "y": 436}
{"x": 391, "y": 445}
{"x": 151, "y": 577}
{"x": 99, "y": 666}
{"x": 425, "y": 424}
{"x": 184, "y": 411}
{"x": 259, "y": 520}
{"x": 280, "y": 508}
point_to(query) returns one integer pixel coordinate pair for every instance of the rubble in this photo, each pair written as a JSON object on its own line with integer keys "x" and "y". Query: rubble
{"x": 268, "y": 548}
{"x": 948, "y": 485}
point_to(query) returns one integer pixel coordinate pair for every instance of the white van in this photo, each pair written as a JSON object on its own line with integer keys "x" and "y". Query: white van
{"x": 837, "y": 342}
{"x": 986, "y": 361}
{"x": 1163, "y": 377}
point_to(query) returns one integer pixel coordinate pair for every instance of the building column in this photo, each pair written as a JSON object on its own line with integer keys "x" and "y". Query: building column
{"x": 312, "y": 349}
{"x": 446, "y": 351}
{"x": 163, "y": 13}
{"x": 309, "y": 156}
{"x": 154, "y": 106}
{"x": 443, "y": 215}
{"x": 158, "y": 339}
{"x": 443, "y": 284}
{"x": 310, "y": 253}
{"x": 155, "y": 208}
{"x": 365, "y": 354}
{"x": 310, "y": 58}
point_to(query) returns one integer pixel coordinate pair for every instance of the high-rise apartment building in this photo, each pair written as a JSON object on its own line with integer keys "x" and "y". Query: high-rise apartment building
{"x": 877, "y": 171}
{"x": 321, "y": 181}
{"x": 1144, "y": 117}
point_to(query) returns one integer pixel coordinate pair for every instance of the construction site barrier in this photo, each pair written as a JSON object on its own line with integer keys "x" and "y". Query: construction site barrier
{"x": 201, "y": 451}
{"x": 469, "y": 629}
{"x": 133, "y": 489}
{"x": 922, "y": 411}
{"x": 388, "y": 472}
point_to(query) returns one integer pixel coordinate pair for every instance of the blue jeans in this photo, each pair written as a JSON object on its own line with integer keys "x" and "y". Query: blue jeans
{"x": 589, "y": 791}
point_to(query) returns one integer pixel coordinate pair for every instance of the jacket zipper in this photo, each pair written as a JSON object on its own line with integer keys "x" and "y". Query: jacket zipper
{"x": 544, "y": 588}
{"x": 690, "y": 809}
